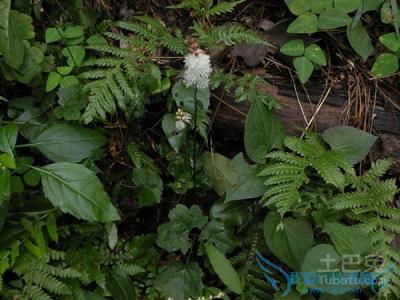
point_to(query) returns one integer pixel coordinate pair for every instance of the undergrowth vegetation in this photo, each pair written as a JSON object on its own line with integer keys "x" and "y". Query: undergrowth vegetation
{"x": 113, "y": 185}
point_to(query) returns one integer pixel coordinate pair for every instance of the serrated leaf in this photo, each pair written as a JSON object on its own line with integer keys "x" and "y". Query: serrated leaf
{"x": 68, "y": 143}
{"x": 304, "y": 68}
{"x": 306, "y": 23}
{"x": 386, "y": 64}
{"x": 264, "y": 131}
{"x": 293, "y": 48}
{"x": 333, "y": 18}
{"x": 76, "y": 190}
{"x": 315, "y": 54}
{"x": 8, "y": 138}
{"x": 12, "y": 44}
{"x": 224, "y": 269}
{"x": 360, "y": 40}
{"x": 353, "y": 142}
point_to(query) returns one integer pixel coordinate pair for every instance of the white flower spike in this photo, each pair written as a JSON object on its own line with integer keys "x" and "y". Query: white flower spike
{"x": 198, "y": 69}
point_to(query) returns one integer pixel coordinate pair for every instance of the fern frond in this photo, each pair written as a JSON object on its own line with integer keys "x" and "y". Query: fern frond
{"x": 231, "y": 34}
{"x": 222, "y": 8}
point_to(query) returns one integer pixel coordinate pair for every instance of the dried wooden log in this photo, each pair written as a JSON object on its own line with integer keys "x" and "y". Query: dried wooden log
{"x": 295, "y": 110}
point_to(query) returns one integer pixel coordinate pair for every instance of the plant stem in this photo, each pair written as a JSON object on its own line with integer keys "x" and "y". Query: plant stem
{"x": 194, "y": 143}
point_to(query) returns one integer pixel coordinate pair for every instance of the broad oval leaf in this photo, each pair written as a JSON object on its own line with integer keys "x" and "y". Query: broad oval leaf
{"x": 224, "y": 269}
{"x": 354, "y": 142}
{"x": 292, "y": 242}
{"x": 332, "y": 19}
{"x": 347, "y": 6}
{"x": 120, "y": 285}
{"x": 304, "y": 68}
{"x": 8, "y": 138}
{"x": 306, "y": 23}
{"x": 360, "y": 40}
{"x": 53, "y": 81}
{"x": 264, "y": 131}
{"x": 315, "y": 258}
{"x": 53, "y": 35}
{"x": 386, "y": 64}
{"x": 293, "y": 48}
{"x": 390, "y": 41}
{"x": 315, "y": 54}
{"x": 319, "y": 6}
{"x": 76, "y": 190}
{"x": 349, "y": 240}
{"x": 68, "y": 143}
{"x": 298, "y": 7}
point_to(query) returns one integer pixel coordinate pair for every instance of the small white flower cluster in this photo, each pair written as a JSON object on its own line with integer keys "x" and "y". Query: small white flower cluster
{"x": 218, "y": 296}
{"x": 197, "y": 69}
{"x": 182, "y": 119}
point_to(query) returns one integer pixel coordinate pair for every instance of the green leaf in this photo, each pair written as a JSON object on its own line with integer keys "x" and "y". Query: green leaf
{"x": 76, "y": 190}
{"x": 349, "y": 240}
{"x": 232, "y": 213}
{"x": 96, "y": 40}
{"x": 315, "y": 258}
{"x": 224, "y": 269}
{"x": 353, "y": 142}
{"x": 53, "y": 81}
{"x": 12, "y": 44}
{"x": 32, "y": 177}
{"x": 175, "y": 139}
{"x": 65, "y": 70}
{"x": 319, "y": 6}
{"x": 292, "y": 243}
{"x": 184, "y": 96}
{"x": 333, "y": 18}
{"x": 391, "y": 41}
{"x": 315, "y": 54}
{"x": 359, "y": 40}
{"x": 75, "y": 55}
{"x": 347, "y": 6}
{"x": 220, "y": 170}
{"x": 5, "y": 6}
{"x": 53, "y": 35}
{"x": 180, "y": 281}
{"x": 174, "y": 235}
{"x": 248, "y": 185}
{"x": 264, "y": 131}
{"x": 7, "y": 161}
{"x": 372, "y": 4}
{"x": 306, "y": 23}
{"x": 150, "y": 185}
{"x": 8, "y": 138}
{"x": 5, "y": 193}
{"x": 304, "y": 68}
{"x": 68, "y": 143}
{"x": 298, "y": 7}
{"x": 73, "y": 32}
{"x": 386, "y": 64}
{"x": 293, "y": 48}
{"x": 69, "y": 81}
{"x": 218, "y": 234}
{"x": 120, "y": 285}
